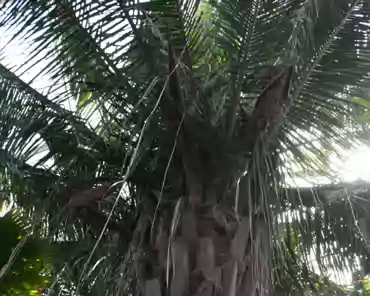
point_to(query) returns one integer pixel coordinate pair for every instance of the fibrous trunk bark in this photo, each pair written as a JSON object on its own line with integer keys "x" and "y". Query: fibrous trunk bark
{"x": 211, "y": 252}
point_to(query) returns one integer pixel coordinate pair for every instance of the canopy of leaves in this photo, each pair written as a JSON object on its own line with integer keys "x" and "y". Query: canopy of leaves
{"x": 181, "y": 93}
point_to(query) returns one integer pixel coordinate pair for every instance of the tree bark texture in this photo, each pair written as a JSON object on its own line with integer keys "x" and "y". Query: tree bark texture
{"x": 210, "y": 253}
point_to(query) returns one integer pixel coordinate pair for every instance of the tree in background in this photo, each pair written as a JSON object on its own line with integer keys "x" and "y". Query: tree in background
{"x": 202, "y": 111}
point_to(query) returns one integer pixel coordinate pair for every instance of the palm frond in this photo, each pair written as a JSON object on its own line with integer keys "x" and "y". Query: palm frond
{"x": 325, "y": 229}
{"x": 322, "y": 96}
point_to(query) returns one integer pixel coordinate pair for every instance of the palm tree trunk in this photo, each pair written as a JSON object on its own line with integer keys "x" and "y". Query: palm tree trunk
{"x": 207, "y": 250}
{"x": 210, "y": 252}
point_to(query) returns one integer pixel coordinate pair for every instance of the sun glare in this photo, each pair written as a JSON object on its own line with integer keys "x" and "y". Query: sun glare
{"x": 356, "y": 166}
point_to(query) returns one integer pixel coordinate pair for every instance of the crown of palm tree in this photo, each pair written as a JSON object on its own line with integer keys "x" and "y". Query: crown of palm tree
{"x": 219, "y": 100}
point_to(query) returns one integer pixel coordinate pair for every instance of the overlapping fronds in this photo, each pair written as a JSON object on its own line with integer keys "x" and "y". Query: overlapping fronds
{"x": 30, "y": 152}
{"x": 183, "y": 92}
{"x": 324, "y": 231}
{"x": 333, "y": 75}
{"x": 49, "y": 157}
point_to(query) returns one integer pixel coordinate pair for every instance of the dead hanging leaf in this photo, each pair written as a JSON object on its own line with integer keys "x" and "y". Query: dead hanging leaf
{"x": 174, "y": 224}
{"x": 240, "y": 240}
{"x": 248, "y": 285}
{"x": 272, "y": 105}
{"x": 86, "y": 197}
{"x": 206, "y": 255}
{"x": 176, "y": 217}
{"x": 161, "y": 243}
{"x": 229, "y": 278}
{"x": 262, "y": 258}
{"x": 180, "y": 268}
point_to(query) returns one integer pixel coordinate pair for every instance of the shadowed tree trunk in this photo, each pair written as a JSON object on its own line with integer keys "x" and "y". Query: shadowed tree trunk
{"x": 209, "y": 248}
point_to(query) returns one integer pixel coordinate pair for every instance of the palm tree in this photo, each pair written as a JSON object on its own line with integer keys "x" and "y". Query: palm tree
{"x": 204, "y": 110}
